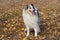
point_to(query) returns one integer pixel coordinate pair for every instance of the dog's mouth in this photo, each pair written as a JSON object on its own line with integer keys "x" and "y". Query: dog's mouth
{"x": 31, "y": 12}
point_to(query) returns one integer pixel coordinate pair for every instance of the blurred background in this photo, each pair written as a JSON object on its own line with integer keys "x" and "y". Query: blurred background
{"x": 13, "y": 28}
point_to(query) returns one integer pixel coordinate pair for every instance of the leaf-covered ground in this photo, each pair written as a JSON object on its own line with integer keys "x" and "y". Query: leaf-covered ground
{"x": 13, "y": 28}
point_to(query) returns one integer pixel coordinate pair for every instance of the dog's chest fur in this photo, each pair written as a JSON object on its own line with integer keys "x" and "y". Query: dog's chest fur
{"x": 30, "y": 20}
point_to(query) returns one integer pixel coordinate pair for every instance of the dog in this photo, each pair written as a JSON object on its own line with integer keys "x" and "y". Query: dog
{"x": 31, "y": 19}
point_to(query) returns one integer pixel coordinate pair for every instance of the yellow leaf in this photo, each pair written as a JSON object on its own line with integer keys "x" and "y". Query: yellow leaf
{"x": 23, "y": 29}
{"x": 25, "y": 38}
{"x": 58, "y": 33}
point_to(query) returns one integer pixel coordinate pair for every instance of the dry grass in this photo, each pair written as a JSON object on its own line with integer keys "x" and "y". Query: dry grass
{"x": 13, "y": 28}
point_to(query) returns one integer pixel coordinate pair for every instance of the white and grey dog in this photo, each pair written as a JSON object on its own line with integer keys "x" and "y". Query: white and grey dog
{"x": 31, "y": 19}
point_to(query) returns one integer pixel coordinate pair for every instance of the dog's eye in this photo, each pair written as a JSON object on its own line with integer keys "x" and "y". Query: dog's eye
{"x": 29, "y": 10}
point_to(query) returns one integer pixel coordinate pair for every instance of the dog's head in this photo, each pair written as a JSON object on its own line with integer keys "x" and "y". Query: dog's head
{"x": 30, "y": 9}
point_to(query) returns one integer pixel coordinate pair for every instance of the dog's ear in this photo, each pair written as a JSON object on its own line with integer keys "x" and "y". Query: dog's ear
{"x": 26, "y": 7}
{"x": 32, "y": 4}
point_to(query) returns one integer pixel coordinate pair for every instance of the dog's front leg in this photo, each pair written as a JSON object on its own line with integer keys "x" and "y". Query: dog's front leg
{"x": 27, "y": 29}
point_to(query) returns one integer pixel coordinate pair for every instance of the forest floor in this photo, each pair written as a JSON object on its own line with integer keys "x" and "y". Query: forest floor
{"x": 12, "y": 26}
